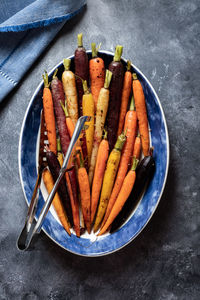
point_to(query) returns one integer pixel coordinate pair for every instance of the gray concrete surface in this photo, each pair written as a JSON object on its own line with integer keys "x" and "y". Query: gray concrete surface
{"x": 162, "y": 38}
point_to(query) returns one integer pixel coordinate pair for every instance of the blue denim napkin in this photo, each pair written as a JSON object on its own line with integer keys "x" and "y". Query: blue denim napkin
{"x": 26, "y": 28}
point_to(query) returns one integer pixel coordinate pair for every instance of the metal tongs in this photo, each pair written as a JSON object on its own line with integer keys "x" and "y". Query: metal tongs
{"x": 33, "y": 227}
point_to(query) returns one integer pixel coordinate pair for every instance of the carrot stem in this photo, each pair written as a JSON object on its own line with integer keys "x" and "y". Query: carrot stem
{"x": 132, "y": 104}
{"x": 105, "y": 137}
{"x": 64, "y": 107}
{"x": 128, "y": 67}
{"x": 81, "y": 160}
{"x": 59, "y": 145}
{"x": 46, "y": 80}
{"x": 94, "y": 50}
{"x": 67, "y": 63}
{"x": 85, "y": 87}
{"x": 135, "y": 76}
{"x": 134, "y": 165}
{"x": 107, "y": 79}
{"x": 80, "y": 40}
{"x": 55, "y": 74}
{"x": 118, "y": 53}
{"x": 120, "y": 141}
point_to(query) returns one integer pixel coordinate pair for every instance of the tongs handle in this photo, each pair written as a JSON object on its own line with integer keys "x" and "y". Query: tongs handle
{"x": 27, "y": 235}
{"x": 31, "y": 212}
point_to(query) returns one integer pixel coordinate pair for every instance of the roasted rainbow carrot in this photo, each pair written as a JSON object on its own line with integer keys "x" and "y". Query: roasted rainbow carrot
{"x": 81, "y": 70}
{"x": 141, "y": 114}
{"x": 69, "y": 85}
{"x": 49, "y": 114}
{"x": 101, "y": 112}
{"x": 130, "y": 127}
{"x": 124, "y": 193}
{"x": 84, "y": 188}
{"x": 57, "y": 203}
{"x": 117, "y": 69}
{"x": 100, "y": 167}
{"x": 97, "y": 74}
{"x": 126, "y": 91}
{"x": 108, "y": 180}
{"x": 88, "y": 110}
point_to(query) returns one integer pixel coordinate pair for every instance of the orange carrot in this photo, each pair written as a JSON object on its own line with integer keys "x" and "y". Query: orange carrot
{"x": 130, "y": 129}
{"x": 84, "y": 187}
{"x": 69, "y": 122}
{"x": 97, "y": 74}
{"x": 126, "y": 91}
{"x": 101, "y": 112}
{"x": 102, "y": 157}
{"x": 137, "y": 147}
{"x": 122, "y": 197}
{"x": 49, "y": 115}
{"x": 57, "y": 203}
{"x": 141, "y": 114}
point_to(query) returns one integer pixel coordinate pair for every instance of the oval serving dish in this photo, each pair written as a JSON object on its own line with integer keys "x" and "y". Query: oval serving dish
{"x": 90, "y": 245}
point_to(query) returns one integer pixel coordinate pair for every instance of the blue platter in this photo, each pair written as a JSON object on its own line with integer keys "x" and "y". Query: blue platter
{"x": 90, "y": 245}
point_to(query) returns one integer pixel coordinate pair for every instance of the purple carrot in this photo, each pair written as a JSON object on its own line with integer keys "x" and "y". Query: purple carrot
{"x": 81, "y": 70}
{"x": 54, "y": 167}
{"x": 116, "y": 85}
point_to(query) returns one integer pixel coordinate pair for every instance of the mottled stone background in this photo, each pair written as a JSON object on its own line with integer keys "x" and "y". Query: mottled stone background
{"x": 162, "y": 38}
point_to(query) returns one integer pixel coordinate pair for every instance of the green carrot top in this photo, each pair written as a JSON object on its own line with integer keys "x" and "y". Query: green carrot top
{"x": 81, "y": 160}
{"x": 132, "y": 104}
{"x": 46, "y": 79}
{"x": 118, "y": 53}
{"x": 94, "y": 50}
{"x": 135, "y": 76}
{"x": 85, "y": 87}
{"x": 135, "y": 163}
{"x": 58, "y": 145}
{"x": 64, "y": 107}
{"x": 105, "y": 136}
{"x": 107, "y": 79}
{"x": 55, "y": 74}
{"x": 128, "y": 67}
{"x": 67, "y": 63}
{"x": 80, "y": 40}
{"x": 120, "y": 141}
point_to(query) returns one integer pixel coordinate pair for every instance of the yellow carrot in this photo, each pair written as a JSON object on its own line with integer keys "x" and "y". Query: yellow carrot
{"x": 102, "y": 157}
{"x": 108, "y": 180}
{"x": 88, "y": 110}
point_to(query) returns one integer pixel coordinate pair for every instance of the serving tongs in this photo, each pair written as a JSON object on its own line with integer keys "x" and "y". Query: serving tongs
{"x": 33, "y": 227}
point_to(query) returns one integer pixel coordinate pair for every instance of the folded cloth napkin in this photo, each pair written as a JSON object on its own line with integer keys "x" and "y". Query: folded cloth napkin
{"x": 25, "y": 31}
